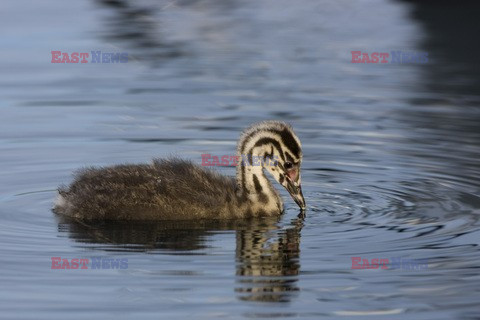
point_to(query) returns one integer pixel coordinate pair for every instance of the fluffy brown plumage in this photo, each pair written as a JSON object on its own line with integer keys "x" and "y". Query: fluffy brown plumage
{"x": 171, "y": 189}
{"x": 174, "y": 188}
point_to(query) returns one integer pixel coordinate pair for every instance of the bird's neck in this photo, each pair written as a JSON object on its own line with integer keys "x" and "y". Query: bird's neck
{"x": 250, "y": 177}
{"x": 252, "y": 184}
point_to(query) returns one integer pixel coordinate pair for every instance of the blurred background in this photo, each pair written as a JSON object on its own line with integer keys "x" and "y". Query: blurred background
{"x": 391, "y": 155}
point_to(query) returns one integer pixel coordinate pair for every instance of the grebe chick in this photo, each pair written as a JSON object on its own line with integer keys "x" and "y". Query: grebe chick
{"x": 172, "y": 189}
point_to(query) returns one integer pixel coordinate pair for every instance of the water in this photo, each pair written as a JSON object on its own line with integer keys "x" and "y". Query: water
{"x": 391, "y": 157}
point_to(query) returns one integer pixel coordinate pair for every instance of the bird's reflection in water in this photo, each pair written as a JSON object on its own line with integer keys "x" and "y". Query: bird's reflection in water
{"x": 267, "y": 254}
{"x": 268, "y": 262}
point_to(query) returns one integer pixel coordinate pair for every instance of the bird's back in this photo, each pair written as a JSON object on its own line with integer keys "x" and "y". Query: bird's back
{"x": 165, "y": 189}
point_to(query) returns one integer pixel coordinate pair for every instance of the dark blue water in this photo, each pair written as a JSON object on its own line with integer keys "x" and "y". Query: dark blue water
{"x": 391, "y": 157}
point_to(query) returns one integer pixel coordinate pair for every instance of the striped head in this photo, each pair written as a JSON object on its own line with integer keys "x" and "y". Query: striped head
{"x": 272, "y": 146}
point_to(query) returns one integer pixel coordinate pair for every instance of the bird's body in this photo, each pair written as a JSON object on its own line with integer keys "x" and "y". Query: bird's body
{"x": 172, "y": 189}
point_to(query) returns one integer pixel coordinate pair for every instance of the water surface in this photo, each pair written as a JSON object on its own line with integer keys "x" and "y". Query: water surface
{"x": 391, "y": 157}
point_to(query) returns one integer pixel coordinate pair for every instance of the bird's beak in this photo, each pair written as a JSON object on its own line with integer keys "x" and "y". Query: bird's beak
{"x": 295, "y": 191}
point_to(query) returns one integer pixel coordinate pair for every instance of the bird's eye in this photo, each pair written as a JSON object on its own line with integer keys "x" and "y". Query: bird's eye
{"x": 288, "y": 165}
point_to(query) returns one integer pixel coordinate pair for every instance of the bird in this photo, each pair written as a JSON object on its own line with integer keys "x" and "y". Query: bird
{"x": 178, "y": 189}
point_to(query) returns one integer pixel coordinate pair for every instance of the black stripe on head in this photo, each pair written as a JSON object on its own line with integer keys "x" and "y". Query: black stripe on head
{"x": 289, "y": 157}
{"x": 258, "y": 186}
{"x": 289, "y": 140}
{"x": 275, "y": 143}
{"x": 244, "y": 185}
{"x": 250, "y": 157}
{"x": 282, "y": 179}
{"x": 268, "y": 156}
{"x": 245, "y": 141}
